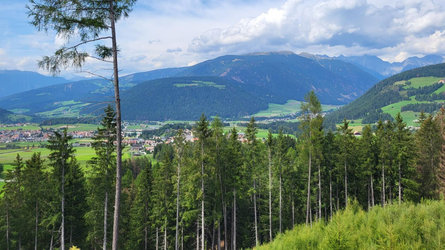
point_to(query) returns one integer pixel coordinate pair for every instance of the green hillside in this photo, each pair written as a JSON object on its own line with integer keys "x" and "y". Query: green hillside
{"x": 186, "y": 98}
{"x": 405, "y": 226}
{"x": 409, "y": 92}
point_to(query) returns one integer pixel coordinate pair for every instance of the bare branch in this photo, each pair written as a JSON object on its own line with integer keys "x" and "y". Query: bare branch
{"x": 97, "y": 75}
{"x": 88, "y": 41}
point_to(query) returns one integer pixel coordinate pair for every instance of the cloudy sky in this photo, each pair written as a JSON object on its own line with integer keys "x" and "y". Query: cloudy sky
{"x": 172, "y": 33}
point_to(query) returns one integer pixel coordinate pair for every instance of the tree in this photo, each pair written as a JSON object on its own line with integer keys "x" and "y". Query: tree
{"x": 62, "y": 154}
{"x": 87, "y": 20}
{"x": 310, "y": 110}
{"x": 203, "y": 131}
{"x": 34, "y": 187}
{"x": 101, "y": 176}
{"x": 346, "y": 143}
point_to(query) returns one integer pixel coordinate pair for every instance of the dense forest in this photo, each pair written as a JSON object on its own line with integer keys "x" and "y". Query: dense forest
{"x": 221, "y": 189}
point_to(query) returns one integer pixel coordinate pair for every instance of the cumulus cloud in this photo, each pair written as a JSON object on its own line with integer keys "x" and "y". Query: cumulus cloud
{"x": 410, "y": 26}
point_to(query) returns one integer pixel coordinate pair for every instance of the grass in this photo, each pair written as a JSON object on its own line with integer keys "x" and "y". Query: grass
{"x": 288, "y": 108}
{"x": 422, "y": 81}
{"x": 406, "y": 226}
{"x": 67, "y": 110}
{"x": 200, "y": 84}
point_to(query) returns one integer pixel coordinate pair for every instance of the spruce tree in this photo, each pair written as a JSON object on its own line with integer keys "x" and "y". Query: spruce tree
{"x": 87, "y": 21}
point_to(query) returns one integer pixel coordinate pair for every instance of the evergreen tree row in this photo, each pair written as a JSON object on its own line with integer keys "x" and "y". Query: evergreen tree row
{"x": 216, "y": 191}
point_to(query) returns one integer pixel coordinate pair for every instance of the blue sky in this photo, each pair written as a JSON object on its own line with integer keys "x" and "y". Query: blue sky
{"x": 169, "y": 33}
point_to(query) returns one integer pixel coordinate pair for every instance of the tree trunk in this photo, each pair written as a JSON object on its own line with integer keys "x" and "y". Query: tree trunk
{"x": 281, "y": 198}
{"x": 165, "y": 236}
{"x": 383, "y": 185}
{"x": 257, "y": 241}
{"x": 36, "y": 225}
{"x": 202, "y": 199}
{"x": 308, "y": 200}
{"x": 7, "y": 228}
{"x": 319, "y": 192}
{"x": 270, "y": 194}
{"x": 293, "y": 213}
{"x": 197, "y": 233}
{"x": 330, "y": 194}
{"x": 62, "y": 234}
{"x": 177, "y": 206}
{"x": 225, "y": 227}
{"x": 213, "y": 236}
{"x": 52, "y": 239}
{"x": 346, "y": 185}
{"x": 234, "y": 219}
{"x": 157, "y": 238}
{"x": 145, "y": 237}
{"x": 400, "y": 184}
{"x": 218, "y": 247}
{"x": 117, "y": 198}
{"x": 105, "y": 220}
{"x": 372, "y": 192}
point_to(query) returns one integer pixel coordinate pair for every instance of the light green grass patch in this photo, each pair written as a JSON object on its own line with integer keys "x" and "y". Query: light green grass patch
{"x": 440, "y": 90}
{"x": 19, "y": 111}
{"x": 288, "y": 108}
{"x": 200, "y": 84}
{"x": 422, "y": 81}
{"x": 64, "y": 111}
{"x": 395, "y": 108}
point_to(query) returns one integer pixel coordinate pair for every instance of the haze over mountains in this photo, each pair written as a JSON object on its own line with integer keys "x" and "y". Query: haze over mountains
{"x": 248, "y": 82}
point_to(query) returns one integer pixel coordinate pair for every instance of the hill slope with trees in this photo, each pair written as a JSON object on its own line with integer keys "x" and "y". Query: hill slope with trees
{"x": 393, "y": 90}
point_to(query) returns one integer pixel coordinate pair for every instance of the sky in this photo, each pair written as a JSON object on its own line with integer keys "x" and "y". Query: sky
{"x": 175, "y": 33}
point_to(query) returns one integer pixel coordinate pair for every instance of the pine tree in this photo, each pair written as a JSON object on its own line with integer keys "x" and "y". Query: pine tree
{"x": 346, "y": 143}
{"x": 310, "y": 109}
{"x": 86, "y": 20}
{"x": 100, "y": 181}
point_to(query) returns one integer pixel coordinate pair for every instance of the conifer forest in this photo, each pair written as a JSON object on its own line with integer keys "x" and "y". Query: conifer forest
{"x": 218, "y": 191}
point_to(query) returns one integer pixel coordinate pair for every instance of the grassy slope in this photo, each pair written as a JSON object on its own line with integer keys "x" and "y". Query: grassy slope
{"x": 288, "y": 108}
{"x": 405, "y": 226}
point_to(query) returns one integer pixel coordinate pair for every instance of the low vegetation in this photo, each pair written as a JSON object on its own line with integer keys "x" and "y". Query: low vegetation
{"x": 405, "y": 226}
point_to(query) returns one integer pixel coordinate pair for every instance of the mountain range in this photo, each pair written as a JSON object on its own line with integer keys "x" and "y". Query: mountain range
{"x": 260, "y": 78}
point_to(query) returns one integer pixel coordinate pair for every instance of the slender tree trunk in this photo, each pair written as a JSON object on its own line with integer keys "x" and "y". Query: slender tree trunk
{"x": 52, "y": 239}
{"x": 177, "y": 206}
{"x": 165, "y": 236}
{"x": 213, "y": 236}
{"x": 218, "y": 247}
{"x": 197, "y": 233}
{"x": 36, "y": 225}
{"x": 257, "y": 241}
{"x": 7, "y": 227}
{"x": 281, "y": 199}
{"x": 225, "y": 227}
{"x": 270, "y": 193}
{"x": 383, "y": 185}
{"x": 234, "y": 219}
{"x": 400, "y": 184}
{"x": 157, "y": 238}
{"x": 202, "y": 199}
{"x": 105, "y": 220}
{"x": 346, "y": 184}
{"x": 62, "y": 234}
{"x": 293, "y": 213}
{"x": 145, "y": 237}
{"x": 319, "y": 192}
{"x": 372, "y": 192}
{"x": 308, "y": 200}
{"x": 330, "y": 194}
{"x": 117, "y": 198}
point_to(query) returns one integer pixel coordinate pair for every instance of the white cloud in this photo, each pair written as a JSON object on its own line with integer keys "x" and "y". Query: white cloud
{"x": 361, "y": 26}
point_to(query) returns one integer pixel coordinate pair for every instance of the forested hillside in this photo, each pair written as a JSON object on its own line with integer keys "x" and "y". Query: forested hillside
{"x": 227, "y": 187}
{"x": 371, "y": 106}
{"x": 186, "y": 98}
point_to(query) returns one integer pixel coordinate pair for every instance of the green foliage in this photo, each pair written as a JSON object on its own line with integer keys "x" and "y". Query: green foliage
{"x": 406, "y": 226}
